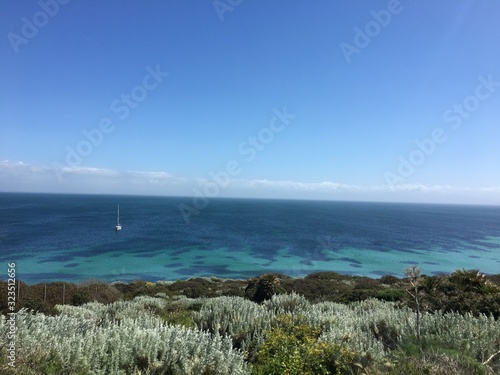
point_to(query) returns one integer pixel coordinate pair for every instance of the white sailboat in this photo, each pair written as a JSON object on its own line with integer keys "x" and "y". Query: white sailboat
{"x": 118, "y": 226}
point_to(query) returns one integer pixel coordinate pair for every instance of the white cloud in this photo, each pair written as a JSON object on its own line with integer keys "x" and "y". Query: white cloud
{"x": 295, "y": 185}
{"x": 419, "y": 187}
{"x": 329, "y": 186}
{"x": 151, "y": 174}
{"x": 86, "y": 171}
{"x": 19, "y": 166}
{"x": 20, "y": 176}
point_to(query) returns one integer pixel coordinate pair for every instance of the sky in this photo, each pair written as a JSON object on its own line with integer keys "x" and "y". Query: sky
{"x": 392, "y": 101}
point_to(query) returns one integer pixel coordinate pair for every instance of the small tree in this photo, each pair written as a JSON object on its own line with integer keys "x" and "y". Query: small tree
{"x": 263, "y": 287}
{"x": 413, "y": 275}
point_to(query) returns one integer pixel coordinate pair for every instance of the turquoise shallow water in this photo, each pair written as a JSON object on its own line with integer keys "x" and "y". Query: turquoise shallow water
{"x": 71, "y": 238}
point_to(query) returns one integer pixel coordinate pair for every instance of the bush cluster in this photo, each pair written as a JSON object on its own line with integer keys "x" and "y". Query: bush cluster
{"x": 325, "y": 323}
{"x": 293, "y": 347}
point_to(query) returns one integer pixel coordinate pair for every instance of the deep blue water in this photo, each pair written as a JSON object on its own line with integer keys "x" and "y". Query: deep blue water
{"x": 70, "y": 237}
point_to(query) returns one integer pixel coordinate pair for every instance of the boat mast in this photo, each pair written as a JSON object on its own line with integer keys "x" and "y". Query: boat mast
{"x": 118, "y": 217}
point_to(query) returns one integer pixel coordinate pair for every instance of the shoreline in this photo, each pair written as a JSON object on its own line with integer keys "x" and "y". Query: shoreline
{"x": 223, "y": 279}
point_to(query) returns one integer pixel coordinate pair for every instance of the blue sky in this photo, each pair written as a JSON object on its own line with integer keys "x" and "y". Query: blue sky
{"x": 171, "y": 92}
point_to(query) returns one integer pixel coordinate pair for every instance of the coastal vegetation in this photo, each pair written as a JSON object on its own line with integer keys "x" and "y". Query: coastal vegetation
{"x": 324, "y": 323}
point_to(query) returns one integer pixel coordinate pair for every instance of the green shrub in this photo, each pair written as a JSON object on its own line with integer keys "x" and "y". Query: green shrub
{"x": 432, "y": 364}
{"x": 318, "y": 290}
{"x": 392, "y": 295}
{"x": 195, "y": 287}
{"x": 80, "y": 298}
{"x": 326, "y": 276}
{"x": 179, "y": 317}
{"x": 293, "y": 348}
{"x": 468, "y": 280}
{"x": 388, "y": 335}
{"x": 389, "y": 280}
{"x": 37, "y": 305}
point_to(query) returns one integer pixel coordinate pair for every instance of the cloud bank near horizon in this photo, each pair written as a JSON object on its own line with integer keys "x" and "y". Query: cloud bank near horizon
{"x": 23, "y": 177}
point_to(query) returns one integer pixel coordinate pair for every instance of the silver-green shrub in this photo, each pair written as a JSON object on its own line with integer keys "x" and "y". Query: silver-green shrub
{"x": 287, "y": 304}
{"x": 352, "y": 325}
{"x": 231, "y": 315}
{"x": 136, "y": 308}
{"x": 128, "y": 337}
{"x": 100, "y": 344}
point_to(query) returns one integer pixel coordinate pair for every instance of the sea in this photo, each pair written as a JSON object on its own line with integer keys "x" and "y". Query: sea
{"x": 67, "y": 237}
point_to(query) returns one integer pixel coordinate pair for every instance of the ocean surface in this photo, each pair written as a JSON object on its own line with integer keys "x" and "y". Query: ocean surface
{"x": 53, "y": 237}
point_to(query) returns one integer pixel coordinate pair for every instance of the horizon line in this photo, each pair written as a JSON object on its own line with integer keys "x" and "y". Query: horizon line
{"x": 253, "y": 198}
